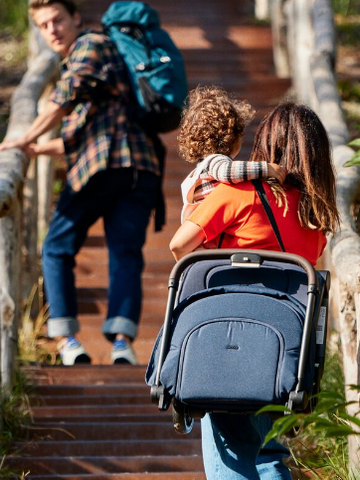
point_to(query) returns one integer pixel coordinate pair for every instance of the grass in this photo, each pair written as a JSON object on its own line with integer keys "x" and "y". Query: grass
{"x": 15, "y": 407}
{"x": 31, "y": 334}
{"x": 320, "y": 447}
{"x": 16, "y": 417}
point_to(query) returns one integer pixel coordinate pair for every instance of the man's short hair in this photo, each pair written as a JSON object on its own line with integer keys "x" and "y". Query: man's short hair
{"x": 69, "y": 5}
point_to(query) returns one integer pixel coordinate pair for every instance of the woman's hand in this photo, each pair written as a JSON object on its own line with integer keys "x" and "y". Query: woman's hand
{"x": 187, "y": 239}
{"x": 277, "y": 171}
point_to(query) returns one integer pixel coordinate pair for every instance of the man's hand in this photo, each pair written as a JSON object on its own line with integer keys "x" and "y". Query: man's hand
{"x": 53, "y": 148}
{"x": 277, "y": 171}
{"x": 18, "y": 143}
{"x": 49, "y": 118}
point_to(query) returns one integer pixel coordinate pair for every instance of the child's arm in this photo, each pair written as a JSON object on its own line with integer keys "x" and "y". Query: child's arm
{"x": 225, "y": 170}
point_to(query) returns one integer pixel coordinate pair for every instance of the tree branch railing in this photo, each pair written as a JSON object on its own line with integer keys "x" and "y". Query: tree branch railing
{"x": 304, "y": 48}
{"x": 14, "y": 198}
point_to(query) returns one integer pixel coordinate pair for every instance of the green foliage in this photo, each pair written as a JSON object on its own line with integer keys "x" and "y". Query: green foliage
{"x": 346, "y": 7}
{"x": 349, "y": 91}
{"x": 58, "y": 187}
{"x": 16, "y": 416}
{"x": 348, "y": 33}
{"x": 320, "y": 445}
{"x": 14, "y": 16}
{"x": 355, "y": 159}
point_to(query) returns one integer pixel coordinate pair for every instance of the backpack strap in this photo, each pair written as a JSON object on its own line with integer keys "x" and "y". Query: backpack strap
{"x": 269, "y": 213}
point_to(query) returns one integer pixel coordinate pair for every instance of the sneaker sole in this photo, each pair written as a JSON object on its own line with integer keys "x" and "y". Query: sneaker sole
{"x": 122, "y": 361}
{"x": 83, "y": 358}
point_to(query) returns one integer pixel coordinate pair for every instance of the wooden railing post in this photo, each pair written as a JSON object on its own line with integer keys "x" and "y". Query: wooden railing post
{"x": 10, "y": 295}
{"x": 311, "y": 46}
{"x": 279, "y": 33}
{"x": 262, "y": 9}
{"x": 13, "y": 167}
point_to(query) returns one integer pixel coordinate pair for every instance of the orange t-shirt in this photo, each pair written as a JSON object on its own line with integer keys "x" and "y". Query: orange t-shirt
{"x": 237, "y": 211}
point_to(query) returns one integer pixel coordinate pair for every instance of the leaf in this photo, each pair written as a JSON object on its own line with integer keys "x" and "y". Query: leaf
{"x": 351, "y": 419}
{"x": 339, "y": 431}
{"x": 274, "y": 408}
{"x": 354, "y": 143}
{"x": 281, "y": 426}
{"x": 354, "y": 387}
{"x": 325, "y": 406}
{"x": 355, "y": 160}
{"x": 330, "y": 394}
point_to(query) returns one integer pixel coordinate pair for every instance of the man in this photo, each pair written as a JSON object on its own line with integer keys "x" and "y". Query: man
{"x": 112, "y": 173}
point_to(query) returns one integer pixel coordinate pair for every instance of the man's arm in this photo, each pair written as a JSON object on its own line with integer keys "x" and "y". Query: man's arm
{"x": 48, "y": 119}
{"x": 52, "y": 148}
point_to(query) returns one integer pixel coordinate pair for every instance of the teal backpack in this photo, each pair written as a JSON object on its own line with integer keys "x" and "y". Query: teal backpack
{"x": 155, "y": 65}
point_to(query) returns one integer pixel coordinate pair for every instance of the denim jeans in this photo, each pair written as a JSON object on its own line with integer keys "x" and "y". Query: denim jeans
{"x": 124, "y": 199}
{"x": 232, "y": 449}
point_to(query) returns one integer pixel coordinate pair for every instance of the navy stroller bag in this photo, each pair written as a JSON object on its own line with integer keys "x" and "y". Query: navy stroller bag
{"x": 243, "y": 329}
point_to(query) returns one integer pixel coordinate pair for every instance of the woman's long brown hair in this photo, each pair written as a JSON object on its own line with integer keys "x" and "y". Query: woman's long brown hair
{"x": 293, "y": 136}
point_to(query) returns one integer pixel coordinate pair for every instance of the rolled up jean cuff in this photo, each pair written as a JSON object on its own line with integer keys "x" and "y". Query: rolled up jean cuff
{"x": 62, "y": 326}
{"x": 113, "y": 326}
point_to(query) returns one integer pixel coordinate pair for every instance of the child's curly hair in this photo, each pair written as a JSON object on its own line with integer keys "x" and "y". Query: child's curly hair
{"x": 211, "y": 123}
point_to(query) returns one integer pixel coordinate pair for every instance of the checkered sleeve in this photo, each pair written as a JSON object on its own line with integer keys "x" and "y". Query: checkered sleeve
{"x": 225, "y": 170}
{"x": 88, "y": 76}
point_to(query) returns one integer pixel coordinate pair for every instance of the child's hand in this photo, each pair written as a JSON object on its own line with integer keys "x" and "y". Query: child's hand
{"x": 277, "y": 171}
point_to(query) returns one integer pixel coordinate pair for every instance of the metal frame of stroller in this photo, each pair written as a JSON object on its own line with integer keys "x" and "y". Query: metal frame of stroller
{"x": 299, "y": 399}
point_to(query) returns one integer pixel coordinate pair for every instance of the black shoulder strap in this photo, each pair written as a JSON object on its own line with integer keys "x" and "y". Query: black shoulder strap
{"x": 221, "y": 239}
{"x": 265, "y": 203}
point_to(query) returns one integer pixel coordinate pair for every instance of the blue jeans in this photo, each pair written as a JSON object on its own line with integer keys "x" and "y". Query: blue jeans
{"x": 124, "y": 199}
{"x": 232, "y": 449}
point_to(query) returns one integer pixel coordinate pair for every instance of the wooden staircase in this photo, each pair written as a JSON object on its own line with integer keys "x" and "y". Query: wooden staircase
{"x": 96, "y": 422}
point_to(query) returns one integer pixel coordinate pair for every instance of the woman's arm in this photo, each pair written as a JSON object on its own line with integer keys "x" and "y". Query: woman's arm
{"x": 188, "y": 237}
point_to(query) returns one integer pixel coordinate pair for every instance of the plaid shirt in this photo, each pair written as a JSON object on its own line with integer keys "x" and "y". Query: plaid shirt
{"x": 96, "y": 130}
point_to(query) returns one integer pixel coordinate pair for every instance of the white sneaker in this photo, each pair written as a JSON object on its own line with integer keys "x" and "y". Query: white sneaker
{"x": 123, "y": 353}
{"x": 72, "y": 352}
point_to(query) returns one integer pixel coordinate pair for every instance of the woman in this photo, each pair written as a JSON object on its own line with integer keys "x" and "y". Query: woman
{"x": 305, "y": 210}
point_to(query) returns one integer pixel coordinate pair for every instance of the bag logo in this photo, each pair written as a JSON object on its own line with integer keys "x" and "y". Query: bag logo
{"x": 233, "y": 347}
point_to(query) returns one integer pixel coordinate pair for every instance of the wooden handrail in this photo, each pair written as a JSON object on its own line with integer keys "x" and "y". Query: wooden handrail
{"x": 13, "y": 169}
{"x": 308, "y": 27}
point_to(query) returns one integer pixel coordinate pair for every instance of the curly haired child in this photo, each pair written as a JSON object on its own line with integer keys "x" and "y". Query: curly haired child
{"x": 211, "y": 133}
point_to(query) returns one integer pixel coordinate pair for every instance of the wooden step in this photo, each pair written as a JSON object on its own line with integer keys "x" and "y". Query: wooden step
{"x": 124, "y": 476}
{"x": 163, "y": 429}
{"x": 100, "y": 465}
{"x": 96, "y": 422}
{"x": 67, "y": 412}
{"x": 182, "y": 445}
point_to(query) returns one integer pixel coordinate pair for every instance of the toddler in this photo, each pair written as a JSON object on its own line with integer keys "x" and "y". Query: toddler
{"x": 211, "y": 133}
